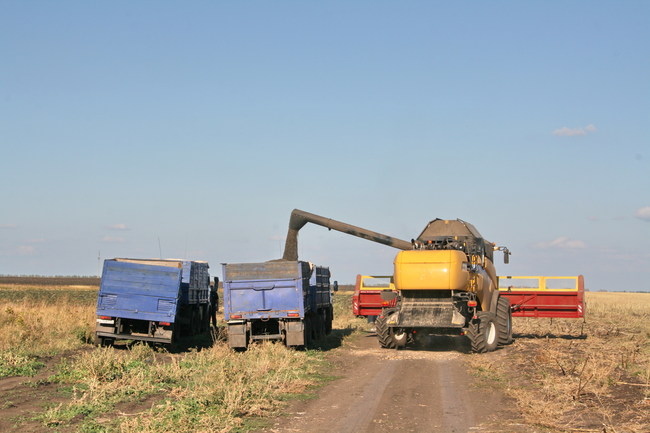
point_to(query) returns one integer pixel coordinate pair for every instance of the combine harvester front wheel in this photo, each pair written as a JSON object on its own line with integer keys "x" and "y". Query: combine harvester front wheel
{"x": 482, "y": 332}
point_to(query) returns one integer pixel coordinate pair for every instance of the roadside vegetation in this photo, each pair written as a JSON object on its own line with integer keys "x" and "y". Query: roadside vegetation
{"x": 215, "y": 389}
{"x": 575, "y": 376}
{"x": 47, "y": 330}
{"x": 41, "y": 321}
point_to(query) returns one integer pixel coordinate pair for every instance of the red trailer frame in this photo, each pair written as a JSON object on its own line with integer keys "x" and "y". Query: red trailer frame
{"x": 536, "y": 299}
{"x": 366, "y": 300}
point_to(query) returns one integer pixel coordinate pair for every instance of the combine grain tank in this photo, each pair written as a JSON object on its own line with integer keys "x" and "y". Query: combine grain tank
{"x": 152, "y": 300}
{"x": 289, "y": 301}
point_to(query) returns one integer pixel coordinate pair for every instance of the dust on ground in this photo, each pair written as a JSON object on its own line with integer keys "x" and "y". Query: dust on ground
{"x": 411, "y": 390}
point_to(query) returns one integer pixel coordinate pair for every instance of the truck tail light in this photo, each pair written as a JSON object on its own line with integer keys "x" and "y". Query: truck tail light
{"x": 164, "y": 323}
{"x": 235, "y": 316}
{"x": 472, "y": 303}
{"x": 293, "y": 314}
{"x": 105, "y": 317}
{"x": 385, "y": 303}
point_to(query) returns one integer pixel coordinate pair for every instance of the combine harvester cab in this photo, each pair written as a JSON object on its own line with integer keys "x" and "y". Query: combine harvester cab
{"x": 152, "y": 300}
{"x": 288, "y": 301}
{"x": 538, "y": 296}
{"x": 367, "y": 299}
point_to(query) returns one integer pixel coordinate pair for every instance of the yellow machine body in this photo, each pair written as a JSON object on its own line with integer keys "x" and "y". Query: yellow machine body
{"x": 431, "y": 270}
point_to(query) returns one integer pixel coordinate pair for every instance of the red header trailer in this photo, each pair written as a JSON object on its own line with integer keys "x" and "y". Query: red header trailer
{"x": 535, "y": 296}
{"x": 367, "y": 300}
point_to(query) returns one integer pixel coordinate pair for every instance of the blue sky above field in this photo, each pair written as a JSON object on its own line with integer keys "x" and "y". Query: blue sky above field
{"x": 192, "y": 129}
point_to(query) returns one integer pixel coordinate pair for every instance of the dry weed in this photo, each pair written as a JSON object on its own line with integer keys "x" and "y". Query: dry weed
{"x": 567, "y": 375}
{"x": 41, "y": 328}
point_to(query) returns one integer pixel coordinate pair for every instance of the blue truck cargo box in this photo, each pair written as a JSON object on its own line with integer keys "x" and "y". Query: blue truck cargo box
{"x": 139, "y": 291}
{"x": 284, "y": 300}
{"x": 145, "y": 298}
{"x": 269, "y": 289}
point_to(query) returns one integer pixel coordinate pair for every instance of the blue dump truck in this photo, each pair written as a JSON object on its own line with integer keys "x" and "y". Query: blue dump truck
{"x": 289, "y": 301}
{"x": 152, "y": 300}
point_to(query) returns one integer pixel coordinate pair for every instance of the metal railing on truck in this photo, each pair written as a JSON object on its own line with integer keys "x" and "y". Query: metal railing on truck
{"x": 540, "y": 296}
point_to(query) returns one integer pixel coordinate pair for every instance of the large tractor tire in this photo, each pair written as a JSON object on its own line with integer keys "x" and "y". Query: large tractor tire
{"x": 384, "y": 334}
{"x": 105, "y": 342}
{"x": 316, "y": 327}
{"x": 195, "y": 322}
{"x": 328, "y": 321}
{"x": 504, "y": 321}
{"x": 323, "y": 324}
{"x": 483, "y": 333}
{"x": 307, "y": 331}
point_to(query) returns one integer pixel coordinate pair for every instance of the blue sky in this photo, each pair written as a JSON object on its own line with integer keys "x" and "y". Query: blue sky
{"x": 192, "y": 129}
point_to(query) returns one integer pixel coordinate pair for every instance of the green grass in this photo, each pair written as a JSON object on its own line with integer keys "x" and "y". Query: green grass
{"x": 215, "y": 389}
{"x": 18, "y": 364}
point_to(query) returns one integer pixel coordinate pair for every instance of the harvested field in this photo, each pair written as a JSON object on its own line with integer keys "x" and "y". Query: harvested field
{"x": 570, "y": 375}
{"x": 558, "y": 375}
{"x": 51, "y": 282}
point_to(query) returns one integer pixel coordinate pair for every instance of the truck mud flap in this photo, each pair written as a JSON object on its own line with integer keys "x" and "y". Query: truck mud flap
{"x": 295, "y": 333}
{"x": 237, "y": 335}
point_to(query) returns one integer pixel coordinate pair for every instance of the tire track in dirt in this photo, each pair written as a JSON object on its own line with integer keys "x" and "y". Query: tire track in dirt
{"x": 367, "y": 401}
{"x": 398, "y": 391}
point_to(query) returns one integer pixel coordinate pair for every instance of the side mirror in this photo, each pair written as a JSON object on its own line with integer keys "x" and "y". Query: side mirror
{"x": 336, "y": 286}
{"x": 506, "y": 253}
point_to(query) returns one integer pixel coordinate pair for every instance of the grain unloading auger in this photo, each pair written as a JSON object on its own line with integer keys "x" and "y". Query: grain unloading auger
{"x": 446, "y": 280}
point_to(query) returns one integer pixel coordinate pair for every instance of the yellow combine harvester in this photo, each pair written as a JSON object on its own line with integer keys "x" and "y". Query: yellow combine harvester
{"x": 446, "y": 283}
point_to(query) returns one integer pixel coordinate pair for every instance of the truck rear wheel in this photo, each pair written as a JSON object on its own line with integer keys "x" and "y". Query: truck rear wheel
{"x": 328, "y": 321}
{"x": 318, "y": 327}
{"x": 504, "y": 321}
{"x": 307, "y": 331}
{"x": 205, "y": 318}
{"x": 105, "y": 342}
{"x": 323, "y": 324}
{"x": 483, "y": 333}
{"x": 384, "y": 335}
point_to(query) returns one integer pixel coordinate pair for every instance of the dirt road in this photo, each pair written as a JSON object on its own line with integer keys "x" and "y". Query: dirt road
{"x": 379, "y": 390}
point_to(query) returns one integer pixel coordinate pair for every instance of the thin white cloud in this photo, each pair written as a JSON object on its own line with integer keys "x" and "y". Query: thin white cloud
{"x": 643, "y": 213}
{"x": 8, "y": 226}
{"x": 276, "y": 238}
{"x": 118, "y": 227}
{"x": 113, "y": 239}
{"x": 573, "y": 132}
{"x": 562, "y": 243}
{"x": 26, "y": 250}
